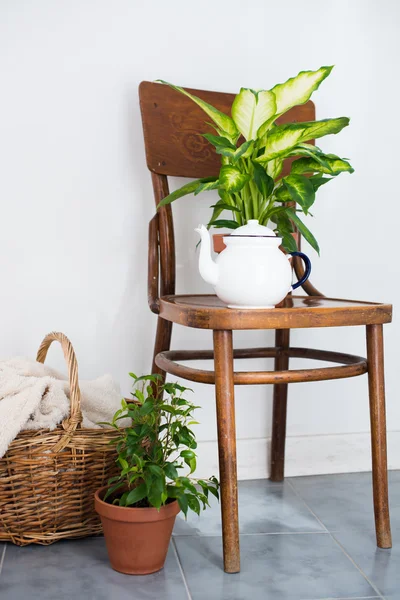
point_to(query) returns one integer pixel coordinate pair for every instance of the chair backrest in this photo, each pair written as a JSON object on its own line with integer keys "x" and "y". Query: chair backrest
{"x": 172, "y": 128}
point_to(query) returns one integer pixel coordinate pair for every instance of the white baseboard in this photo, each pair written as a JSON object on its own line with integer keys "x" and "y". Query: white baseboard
{"x": 305, "y": 455}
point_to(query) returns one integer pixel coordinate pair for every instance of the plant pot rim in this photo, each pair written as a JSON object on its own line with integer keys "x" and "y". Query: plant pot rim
{"x": 133, "y": 514}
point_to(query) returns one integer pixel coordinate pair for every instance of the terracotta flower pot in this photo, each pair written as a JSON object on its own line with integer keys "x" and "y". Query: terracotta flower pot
{"x": 137, "y": 539}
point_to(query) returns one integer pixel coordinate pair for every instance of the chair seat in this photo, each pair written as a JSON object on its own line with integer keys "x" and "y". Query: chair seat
{"x": 208, "y": 312}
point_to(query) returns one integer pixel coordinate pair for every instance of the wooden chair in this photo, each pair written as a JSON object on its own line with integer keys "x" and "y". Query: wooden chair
{"x": 171, "y": 123}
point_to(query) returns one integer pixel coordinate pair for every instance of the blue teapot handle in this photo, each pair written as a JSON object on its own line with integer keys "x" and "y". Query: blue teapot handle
{"x": 307, "y": 263}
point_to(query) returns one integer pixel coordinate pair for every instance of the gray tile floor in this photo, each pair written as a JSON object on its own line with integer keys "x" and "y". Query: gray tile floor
{"x": 310, "y": 538}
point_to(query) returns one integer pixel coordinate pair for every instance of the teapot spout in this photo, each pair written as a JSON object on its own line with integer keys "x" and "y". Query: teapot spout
{"x": 207, "y": 266}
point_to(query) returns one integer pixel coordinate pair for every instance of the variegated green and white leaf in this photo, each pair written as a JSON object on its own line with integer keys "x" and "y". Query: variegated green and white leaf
{"x": 301, "y": 190}
{"x": 298, "y": 90}
{"x": 310, "y": 151}
{"x": 274, "y": 167}
{"x": 232, "y": 179}
{"x": 283, "y": 138}
{"x": 250, "y": 110}
{"x": 244, "y": 151}
{"x": 223, "y": 121}
{"x": 332, "y": 166}
{"x": 281, "y": 193}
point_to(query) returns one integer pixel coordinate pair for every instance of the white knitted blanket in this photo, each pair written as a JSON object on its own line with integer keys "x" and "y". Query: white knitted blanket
{"x": 35, "y": 396}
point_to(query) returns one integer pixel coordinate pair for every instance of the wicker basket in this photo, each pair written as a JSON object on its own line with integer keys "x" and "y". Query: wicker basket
{"x": 48, "y": 478}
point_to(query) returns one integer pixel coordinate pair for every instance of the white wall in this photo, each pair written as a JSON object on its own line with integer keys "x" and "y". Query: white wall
{"x": 76, "y": 195}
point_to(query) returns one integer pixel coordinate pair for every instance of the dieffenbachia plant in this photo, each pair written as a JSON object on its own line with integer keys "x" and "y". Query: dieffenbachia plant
{"x": 253, "y": 148}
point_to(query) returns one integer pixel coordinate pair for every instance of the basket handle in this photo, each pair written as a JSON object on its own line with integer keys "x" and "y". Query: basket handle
{"x": 75, "y": 419}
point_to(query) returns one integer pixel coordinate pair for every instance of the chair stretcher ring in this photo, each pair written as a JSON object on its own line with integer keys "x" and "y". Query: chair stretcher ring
{"x": 350, "y": 365}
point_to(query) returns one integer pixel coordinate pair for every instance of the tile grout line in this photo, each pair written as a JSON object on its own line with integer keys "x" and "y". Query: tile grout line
{"x": 218, "y": 535}
{"x": 336, "y": 542}
{"x": 181, "y": 570}
{"x": 308, "y": 507}
{"x": 356, "y": 565}
{"x": 2, "y": 558}
{"x": 354, "y": 598}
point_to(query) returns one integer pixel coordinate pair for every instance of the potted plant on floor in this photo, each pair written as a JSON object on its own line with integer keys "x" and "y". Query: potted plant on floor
{"x": 253, "y": 147}
{"x": 139, "y": 506}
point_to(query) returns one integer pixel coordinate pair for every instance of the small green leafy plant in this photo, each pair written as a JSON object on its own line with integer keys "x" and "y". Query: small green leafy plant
{"x": 157, "y": 447}
{"x": 253, "y": 148}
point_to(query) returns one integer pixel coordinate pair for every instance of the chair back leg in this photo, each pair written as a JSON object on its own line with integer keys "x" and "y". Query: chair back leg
{"x": 225, "y": 402}
{"x": 376, "y": 384}
{"x": 282, "y": 338}
{"x": 161, "y": 344}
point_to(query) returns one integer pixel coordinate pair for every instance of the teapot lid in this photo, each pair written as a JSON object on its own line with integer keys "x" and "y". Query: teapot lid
{"x": 253, "y": 228}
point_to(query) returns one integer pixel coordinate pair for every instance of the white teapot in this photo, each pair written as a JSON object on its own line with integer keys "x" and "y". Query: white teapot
{"x": 252, "y": 272}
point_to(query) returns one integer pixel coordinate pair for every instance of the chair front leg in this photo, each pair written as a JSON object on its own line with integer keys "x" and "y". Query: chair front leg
{"x": 376, "y": 385}
{"x": 279, "y": 410}
{"x": 225, "y": 402}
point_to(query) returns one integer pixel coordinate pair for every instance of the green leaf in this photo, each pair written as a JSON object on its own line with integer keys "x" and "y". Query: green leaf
{"x": 301, "y": 190}
{"x": 170, "y": 471}
{"x": 298, "y": 90}
{"x": 188, "y": 484}
{"x": 174, "y": 491}
{"x": 232, "y": 179}
{"x": 305, "y": 232}
{"x": 183, "y": 503}
{"x": 224, "y": 206}
{"x": 123, "y": 462}
{"x": 187, "y": 454}
{"x": 318, "y": 180}
{"x": 213, "y": 491}
{"x": 250, "y": 110}
{"x": 223, "y": 121}
{"x": 156, "y": 470}
{"x": 219, "y": 141}
{"x": 224, "y": 223}
{"x": 264, "y": 182}
{"x": 113, "y": 489}
{"x": 288, "y": 242}
{"x": 135, "y": 495}
{"x": 146, "y": 408}
{"x": 207, "y": 186}
{"x": 156, "y": 490}
{"x": 188, "y": 188}
{"x": 284, "y": 138}
{"x": 334, "y": 166}
{"x": 194, "y": 504}
{"x": 219, "y": 206}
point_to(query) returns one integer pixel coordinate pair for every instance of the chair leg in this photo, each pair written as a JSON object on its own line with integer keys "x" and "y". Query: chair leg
{"x": 225, "y": 401}
{"x": 161, "y": 343}
{"x": 378, "y": 434}
{"x": 279, "y": 410}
